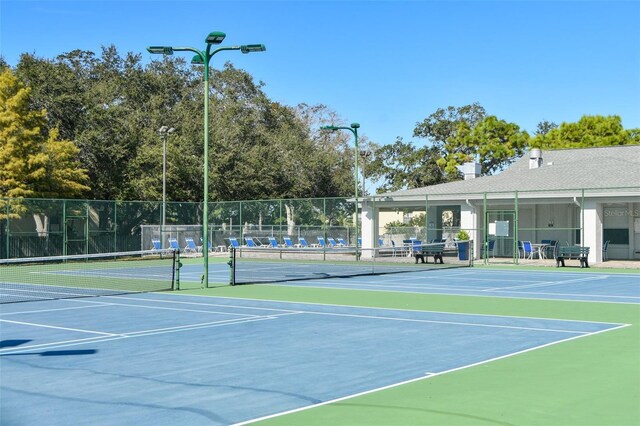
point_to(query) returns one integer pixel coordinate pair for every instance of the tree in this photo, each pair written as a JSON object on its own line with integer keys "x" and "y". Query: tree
{"x": 444, "y": 124}
{"x": 464, "y": 133}
{"x": 494, "y": 142}
{"x": 34, "y": 162}
{"x": 545, "y": 127}
{"x": 402, "y": 165}
{"x": 590, "y": 130}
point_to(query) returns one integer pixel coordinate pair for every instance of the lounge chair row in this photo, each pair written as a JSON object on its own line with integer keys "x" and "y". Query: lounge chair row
{"x": 191, "y": 246}
{"x": 288, "y": 243}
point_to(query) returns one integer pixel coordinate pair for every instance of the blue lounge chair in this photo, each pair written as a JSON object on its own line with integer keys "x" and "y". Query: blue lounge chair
{"x": 251, "y": 243}
{"x": 191, "y": 246}
{"x": 332, "y": 242}
{"x": 342, "y": 242}
{"x": 173, "y": 243}
{"x": 321, "y": 242}
{"x": 157, "y": 245}
{"x": 287, "y": 242}
{"x": 233, "y": 243}
{"x": 302, "y": 242}
{"x": 273, "y": 242}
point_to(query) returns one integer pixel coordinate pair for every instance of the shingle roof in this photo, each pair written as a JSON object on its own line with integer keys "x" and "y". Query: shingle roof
{"x": 588, "y": 168}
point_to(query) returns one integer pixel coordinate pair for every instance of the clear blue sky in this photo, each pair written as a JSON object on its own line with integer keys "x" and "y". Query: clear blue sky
{"x": 384, "y": 64}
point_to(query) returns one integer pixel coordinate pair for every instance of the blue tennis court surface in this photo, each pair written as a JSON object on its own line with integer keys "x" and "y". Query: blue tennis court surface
{"x": 154, "y": 359}
{"x": 558, "y": 285}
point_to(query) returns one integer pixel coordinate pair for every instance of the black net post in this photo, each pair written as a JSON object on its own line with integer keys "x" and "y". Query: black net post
{"x": 232, "y": 266}
{"x": 176, "y": 269}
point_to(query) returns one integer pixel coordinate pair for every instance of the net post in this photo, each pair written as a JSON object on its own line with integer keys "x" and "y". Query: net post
{"x": 176, "y": 269}
{"x": 232, "y": 266}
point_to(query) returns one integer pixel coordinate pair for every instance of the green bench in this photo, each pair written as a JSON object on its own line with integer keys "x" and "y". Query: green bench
{"x": 433, "y": 250}
{"x": 572, "y": 252}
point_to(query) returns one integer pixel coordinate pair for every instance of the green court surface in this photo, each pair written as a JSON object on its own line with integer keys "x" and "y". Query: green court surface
{"x": 591, "y": 381}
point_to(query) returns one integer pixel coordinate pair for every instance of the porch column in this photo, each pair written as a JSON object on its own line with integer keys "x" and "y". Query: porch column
{"x": 367, "y": 230}
{"x": 469, "y": 223}
{"x": 592, "y": 229}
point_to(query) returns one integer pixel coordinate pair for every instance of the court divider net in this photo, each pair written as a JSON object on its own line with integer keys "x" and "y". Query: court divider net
{"x": 271, "y": 265}
{"x": 63, "y": 277}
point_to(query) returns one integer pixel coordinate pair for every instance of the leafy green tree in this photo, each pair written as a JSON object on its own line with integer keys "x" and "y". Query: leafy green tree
{"x": 444, "y": 124}
{"x": 402, "y": 165}
{"x": 56, "y": 88}
{"x": 590, "y": 130}
{"x": 495, "y": 143}
{"x": 34, "y": 162}
{"x": 464, "y": 133}
{"x": 545, "y": 127}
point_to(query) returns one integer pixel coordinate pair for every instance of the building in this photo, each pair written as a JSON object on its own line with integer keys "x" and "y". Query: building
{"x": 586, "y": 196}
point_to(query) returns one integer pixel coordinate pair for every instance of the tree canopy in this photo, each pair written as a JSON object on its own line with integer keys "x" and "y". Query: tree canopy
{"x": 112, "y": 106}
{"x": 590, "y": 130}
{"x": 86, "y": 125}
{"x": 34, "y": 161}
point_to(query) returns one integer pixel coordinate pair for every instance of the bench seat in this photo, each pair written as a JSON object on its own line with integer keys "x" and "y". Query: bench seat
{"x": 572, "y": 252}
{"x": 433, "y": 250}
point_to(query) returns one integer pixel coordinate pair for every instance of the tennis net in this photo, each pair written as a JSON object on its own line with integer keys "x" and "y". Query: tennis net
{"x": 63, "y": 277}
{"x": 270, "y": 265}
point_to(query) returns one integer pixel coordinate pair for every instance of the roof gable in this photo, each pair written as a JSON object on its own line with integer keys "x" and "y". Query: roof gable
{"x": 602, "y": 167}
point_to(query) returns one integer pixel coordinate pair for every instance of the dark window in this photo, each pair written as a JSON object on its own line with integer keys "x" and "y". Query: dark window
{"x": 616, "y": 236}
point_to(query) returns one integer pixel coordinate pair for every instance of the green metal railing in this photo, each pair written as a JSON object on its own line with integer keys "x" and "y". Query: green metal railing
{"x": 49, "y": 227}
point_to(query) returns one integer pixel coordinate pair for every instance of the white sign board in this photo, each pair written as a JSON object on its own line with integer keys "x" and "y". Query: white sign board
{"x": 502, "y": 228}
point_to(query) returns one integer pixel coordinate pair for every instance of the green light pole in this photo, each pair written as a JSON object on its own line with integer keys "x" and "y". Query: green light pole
{"x": 203, "y": 58}
{"x": 353, "y": 129}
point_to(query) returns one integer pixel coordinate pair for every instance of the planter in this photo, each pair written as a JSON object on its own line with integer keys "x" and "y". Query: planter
{"x": 463, "y": 250}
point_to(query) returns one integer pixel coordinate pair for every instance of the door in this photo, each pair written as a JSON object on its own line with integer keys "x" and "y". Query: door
{"x": 500, "y": 234}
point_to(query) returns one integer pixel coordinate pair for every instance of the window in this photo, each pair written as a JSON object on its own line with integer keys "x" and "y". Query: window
{"x": 616, "y": 235}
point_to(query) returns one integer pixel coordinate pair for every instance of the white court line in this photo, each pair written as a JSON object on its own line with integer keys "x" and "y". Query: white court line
{"x": 467, "y": 324}
{"x": 382, "y": 308}
{"x": 571, "y": 297}
{"x": 133, "y": 335}
{"x": 199, "y": 325}
{"x": 173, "y": 309}
{"x": 576, "y": 294}
{"x": 196, "y": 303}
{"x": 33, "y": 324}
{"x": 375, "y": 284}
{"x": 63, "y": 343}
{"x": 548, "y": 283}
{"x": 300, "y": 311}
{"x": 428, "y": 376}
{"x": 53, "y": 310}
{"x": 448, "y": 277}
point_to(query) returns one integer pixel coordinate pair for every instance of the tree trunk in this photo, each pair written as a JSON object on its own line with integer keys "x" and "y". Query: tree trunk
{"x": 290, "y": 220}
{"x": 42, "y": 224}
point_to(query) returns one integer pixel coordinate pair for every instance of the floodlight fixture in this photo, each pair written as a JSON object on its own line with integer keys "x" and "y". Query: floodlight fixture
{"x": 249, "y": 48}
{"x": 215, "y": 37}
{"x": 160, "y": 50}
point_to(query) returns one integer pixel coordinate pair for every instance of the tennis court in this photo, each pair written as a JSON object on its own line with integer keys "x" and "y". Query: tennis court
{"x": 167, "y": 359}
{"x": 273, "y": 351}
